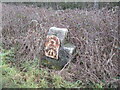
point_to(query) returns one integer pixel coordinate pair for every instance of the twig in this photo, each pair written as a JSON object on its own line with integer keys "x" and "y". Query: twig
{"x": 70, "y": 59}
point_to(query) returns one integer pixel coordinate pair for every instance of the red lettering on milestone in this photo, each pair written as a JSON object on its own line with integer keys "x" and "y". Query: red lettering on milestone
{"x": 52, "y": 45}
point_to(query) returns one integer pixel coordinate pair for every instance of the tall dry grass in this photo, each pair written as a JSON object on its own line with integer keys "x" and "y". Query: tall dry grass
{"x": 94, "y": 32}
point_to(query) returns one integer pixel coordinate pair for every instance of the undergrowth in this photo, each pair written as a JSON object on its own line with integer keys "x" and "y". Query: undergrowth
{"x": 93, "y": 32}
{"x": 28, "y": 75}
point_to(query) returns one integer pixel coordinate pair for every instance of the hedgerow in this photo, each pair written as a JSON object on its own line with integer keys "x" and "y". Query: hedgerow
{"x": 94, "y": 32}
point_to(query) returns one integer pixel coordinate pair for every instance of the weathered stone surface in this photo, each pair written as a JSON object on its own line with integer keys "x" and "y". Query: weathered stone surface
{"x": 62, "y": 60}
{"x": 70, "y": 48}
{"x": 61, "y": 33}
{"x": 56, "y": 52}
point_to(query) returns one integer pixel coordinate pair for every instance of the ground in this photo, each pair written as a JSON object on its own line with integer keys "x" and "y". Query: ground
{"x": 93, "y": 32}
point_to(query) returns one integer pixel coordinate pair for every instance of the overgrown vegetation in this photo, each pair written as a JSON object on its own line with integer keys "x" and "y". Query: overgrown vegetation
{"x": 94, "y": 32}
{"x": 28, "y": 75}
{"x": 69, "y": 5}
